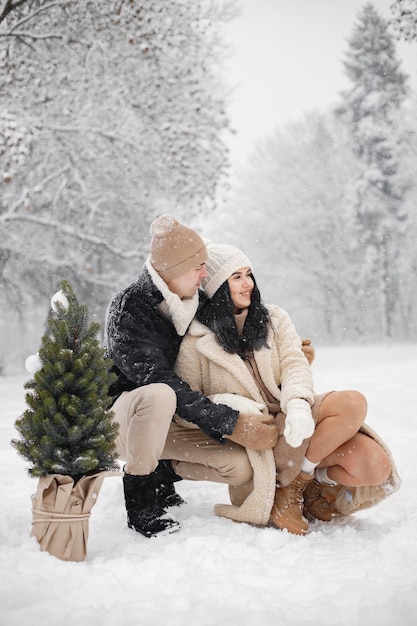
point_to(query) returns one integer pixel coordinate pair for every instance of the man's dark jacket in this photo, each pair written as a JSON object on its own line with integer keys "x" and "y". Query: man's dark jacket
{"x": 144, "y": 345}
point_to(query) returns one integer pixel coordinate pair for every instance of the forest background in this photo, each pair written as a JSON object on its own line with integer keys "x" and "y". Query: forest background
{"x": 115, "y": 111}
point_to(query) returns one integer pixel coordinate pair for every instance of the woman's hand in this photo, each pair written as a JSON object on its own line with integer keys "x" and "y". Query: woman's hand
{"x": 299, "y": 423}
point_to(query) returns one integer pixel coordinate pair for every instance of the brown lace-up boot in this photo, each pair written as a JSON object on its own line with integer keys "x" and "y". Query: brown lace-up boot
{"x": 287, "y": 510}
{"x": 316, "y": 505}
{"x": 319, "y": 501}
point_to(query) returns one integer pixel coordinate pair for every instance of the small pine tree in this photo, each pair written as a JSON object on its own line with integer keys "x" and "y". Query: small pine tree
{"x": 67, "y": 428}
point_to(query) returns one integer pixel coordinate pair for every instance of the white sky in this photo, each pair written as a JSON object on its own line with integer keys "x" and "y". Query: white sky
{"x": 289, "y": 59}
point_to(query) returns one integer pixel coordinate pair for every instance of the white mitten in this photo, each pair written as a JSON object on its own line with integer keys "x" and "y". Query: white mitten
{"x": 238, "y": 403}
{"x": 299, "y": 423}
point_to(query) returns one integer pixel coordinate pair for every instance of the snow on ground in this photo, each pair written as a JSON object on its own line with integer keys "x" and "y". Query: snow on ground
{"x": 214, "y": 572}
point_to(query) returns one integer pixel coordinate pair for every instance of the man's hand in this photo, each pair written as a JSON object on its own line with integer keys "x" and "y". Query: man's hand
{"x": 255, "y": 432}
{"x": 299, "y": 423}
{"x": 308, "y": 349}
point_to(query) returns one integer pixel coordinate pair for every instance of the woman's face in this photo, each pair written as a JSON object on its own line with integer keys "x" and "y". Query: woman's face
{"x": 241, "y": 287}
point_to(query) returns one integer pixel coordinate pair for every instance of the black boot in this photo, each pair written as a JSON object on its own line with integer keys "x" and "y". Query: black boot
{"x": 144, "y": 513}
{"x": 165, "y": 477}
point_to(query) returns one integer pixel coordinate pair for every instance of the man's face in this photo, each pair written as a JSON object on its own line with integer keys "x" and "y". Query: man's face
{"x": 187, "y": 284}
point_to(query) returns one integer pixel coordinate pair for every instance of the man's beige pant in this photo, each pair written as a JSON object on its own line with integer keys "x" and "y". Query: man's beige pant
{"x": 148, "y": 434}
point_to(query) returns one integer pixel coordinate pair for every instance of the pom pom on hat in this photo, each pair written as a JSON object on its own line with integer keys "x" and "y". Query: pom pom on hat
{"x": 175, "y": 248}
{"x": 223, "y": 260}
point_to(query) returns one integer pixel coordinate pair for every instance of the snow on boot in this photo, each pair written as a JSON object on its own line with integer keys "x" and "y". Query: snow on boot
{"x": 167, "y": 496}
{"x": 144, "y": 513}
{"x": 316, "y": 505}
{"x": 164, "y": 482}
{"x": 287, "y": 510}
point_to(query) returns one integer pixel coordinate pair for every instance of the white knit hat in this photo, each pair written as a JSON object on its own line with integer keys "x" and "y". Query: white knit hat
{"x": 223, "y": 260}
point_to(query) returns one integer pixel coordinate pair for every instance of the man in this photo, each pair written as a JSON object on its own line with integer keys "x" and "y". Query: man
{"x": 145, "y": 324}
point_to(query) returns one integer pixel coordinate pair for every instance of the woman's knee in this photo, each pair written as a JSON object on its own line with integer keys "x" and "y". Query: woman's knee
{"x": 378, "y": 463}
{"x": 366, "y": 460}
{"x": 356, "y": 402}
{"x": 350, "y": 404}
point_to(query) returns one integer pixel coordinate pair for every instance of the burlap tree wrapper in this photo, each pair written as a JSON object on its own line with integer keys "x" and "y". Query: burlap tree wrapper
{"x": 61, "y": 512}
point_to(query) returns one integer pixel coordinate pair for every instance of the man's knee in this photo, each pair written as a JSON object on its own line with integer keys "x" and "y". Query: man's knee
{"x": 156, "y": 398}
{"x": 237, "y": 469}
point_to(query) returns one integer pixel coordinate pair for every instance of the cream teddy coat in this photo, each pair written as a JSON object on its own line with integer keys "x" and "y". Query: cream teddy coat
{"x": 207, "y": 367}
{"x": 284, "y": 369}
{"x": 285, "y": 372}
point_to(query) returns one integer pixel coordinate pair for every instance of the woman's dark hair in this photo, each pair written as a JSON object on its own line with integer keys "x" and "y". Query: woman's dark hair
{"x": 218, "y": 314}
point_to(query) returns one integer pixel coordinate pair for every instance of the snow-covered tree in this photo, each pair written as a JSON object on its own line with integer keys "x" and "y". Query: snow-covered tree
{"x": 122, "y": 116}
{"x": 405, "y": 18}
{"x": 141, "y": 75}
{"x": 326, "y": 204}
{"x": 370, "y": 108}
{"x": 294, "y": 222}
{"x": 15, "y": 145}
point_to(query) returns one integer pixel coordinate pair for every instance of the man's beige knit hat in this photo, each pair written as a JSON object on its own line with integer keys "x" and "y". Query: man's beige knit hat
{"x": 175, "y": 248}
{"x": 223, "y": 260}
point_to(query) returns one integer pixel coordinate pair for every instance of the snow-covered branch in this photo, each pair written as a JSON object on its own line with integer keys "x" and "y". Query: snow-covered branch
{"x": 9, "y": 6}
{"x": 6, "y": 6}
{"x": 70, "y": 231}
{"x": 31, "y": 35}
{"x": 83, "y": 130}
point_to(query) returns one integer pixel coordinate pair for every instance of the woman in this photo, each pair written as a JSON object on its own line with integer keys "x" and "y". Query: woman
{"x": 327, "y": 462}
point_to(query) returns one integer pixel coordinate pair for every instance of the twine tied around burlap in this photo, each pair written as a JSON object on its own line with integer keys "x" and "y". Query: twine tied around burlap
{"x": 61, "y": 512}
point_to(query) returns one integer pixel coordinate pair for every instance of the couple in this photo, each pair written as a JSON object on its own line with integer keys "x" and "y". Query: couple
{"x": 215, "y": 386}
